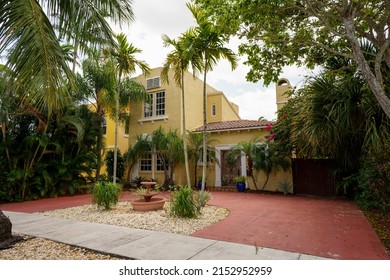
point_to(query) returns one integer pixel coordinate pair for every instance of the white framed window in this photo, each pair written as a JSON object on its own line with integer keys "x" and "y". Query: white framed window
{"x": 148, "y": 107}
{"x": 213, "y": 110}
{"x": 159, "y": 163}
{"x": 155, "y": 106}
{"x": 160, "y": 103}
{"x": 146, "y": 163}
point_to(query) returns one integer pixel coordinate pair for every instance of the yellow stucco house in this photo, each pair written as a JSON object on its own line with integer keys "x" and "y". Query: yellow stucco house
{"x": 224, "y": 124}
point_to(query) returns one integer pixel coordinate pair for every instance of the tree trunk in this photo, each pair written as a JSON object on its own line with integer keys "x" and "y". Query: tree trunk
{"x": 374, "y": 84}
{"x": 116, "y": 129}
{"x": 204, "y": 130}
{"x": 5, "y": 227}
{"x": 184, "y": 134}
{"x": 99, "y": 144}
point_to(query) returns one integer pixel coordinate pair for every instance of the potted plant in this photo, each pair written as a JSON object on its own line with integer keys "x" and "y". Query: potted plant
{"x": 200, "y": 183}
{"x": 240, "y": 183}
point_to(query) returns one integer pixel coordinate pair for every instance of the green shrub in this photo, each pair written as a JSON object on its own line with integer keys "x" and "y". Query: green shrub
{"x": 106, "y": 194}
{"x": 285, "y": 186}
{"x": 120, "y": 168}
{"x": 202, "y": 198}
{"x": 183, "y": 203}
{"x": 373, "y": 189}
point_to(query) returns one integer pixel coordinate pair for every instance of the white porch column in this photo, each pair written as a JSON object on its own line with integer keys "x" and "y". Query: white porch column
{"x": 135, "y": 170}
{"x": 243, "y": 166}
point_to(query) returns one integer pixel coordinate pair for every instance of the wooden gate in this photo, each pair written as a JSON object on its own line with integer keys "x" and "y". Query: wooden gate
{"x": 313, "y": 177}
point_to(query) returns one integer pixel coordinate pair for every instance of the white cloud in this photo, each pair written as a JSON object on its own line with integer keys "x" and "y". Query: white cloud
{"x": 260, "y": 102}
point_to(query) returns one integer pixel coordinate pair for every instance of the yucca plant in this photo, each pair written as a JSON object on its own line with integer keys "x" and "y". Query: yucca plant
{"x": 183, "y": 203}
{"x": 105, "y": 194}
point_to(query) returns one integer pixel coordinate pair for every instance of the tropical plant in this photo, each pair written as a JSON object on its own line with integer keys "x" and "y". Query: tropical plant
{"x": 308, "y": 32}
{"x": 240, "y": 179}
{"x": 29, "y": 32}
{"x": 109, "y": 161}
{"x": 167, "y": 146}
{"x": 207, "y": 43}
{"x": 126, "y": 63}
{"x": 261, "y": 156}
{"x": 195, "y": 152}
{"x": 136, "y": 182}
{"x": 179, "y": 60}
{"x": 105, "y": 194}
{"x": 183, "y": 203}
{"x": 285, "y": 186}
{"x": 201, "y": 198}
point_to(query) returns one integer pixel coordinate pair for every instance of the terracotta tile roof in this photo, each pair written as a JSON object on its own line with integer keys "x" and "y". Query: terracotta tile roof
{"x": 235, "y": 125}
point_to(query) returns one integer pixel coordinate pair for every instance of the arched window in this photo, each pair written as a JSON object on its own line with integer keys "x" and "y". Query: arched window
{"x": 213, "y": 110}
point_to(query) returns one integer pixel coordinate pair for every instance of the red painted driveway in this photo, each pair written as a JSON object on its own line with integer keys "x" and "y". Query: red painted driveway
{"x": 323, "y": 227}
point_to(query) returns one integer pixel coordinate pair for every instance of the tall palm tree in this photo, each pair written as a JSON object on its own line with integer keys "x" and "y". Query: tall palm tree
{"x": 126, "y": 64}
{"x": 208, "y": 43}
{"x": 195, "y": 140}
{"x": 97, "y": 86}
{"x": 179, "y": 60}
{"x": 28, "y": 33}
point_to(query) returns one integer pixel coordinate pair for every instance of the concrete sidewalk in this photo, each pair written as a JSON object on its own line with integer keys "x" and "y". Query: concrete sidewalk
{"x": 141, "y": 244}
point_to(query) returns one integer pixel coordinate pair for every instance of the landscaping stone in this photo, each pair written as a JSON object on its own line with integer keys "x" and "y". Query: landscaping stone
{"x": 5, "y": 228}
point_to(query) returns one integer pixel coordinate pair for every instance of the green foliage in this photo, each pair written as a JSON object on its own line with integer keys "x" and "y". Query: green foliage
{"x": 109, "y": 160}
{"x": 240, "y": 179}
{"x": 373, "y": 182}
{"x": 105, "y": 194}
{"x": 202, "y": 197}
{"x": 285, "y": 186}
{"x": 185, "y": 203}
{"x": 136, "y": 182}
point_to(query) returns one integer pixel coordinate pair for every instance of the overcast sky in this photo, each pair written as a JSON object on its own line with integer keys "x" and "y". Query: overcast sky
{"x": 171, "y": 17}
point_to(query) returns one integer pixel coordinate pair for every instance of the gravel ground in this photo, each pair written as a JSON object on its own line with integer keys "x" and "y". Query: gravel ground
{"x": 122, "y": 215}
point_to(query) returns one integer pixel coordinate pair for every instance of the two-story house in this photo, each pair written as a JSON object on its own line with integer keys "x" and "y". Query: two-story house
{"x": 224, "y": 125}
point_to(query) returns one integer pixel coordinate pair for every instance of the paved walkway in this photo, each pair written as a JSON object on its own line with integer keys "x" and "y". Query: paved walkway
{"x": 295, "y": 227}
{"x": 141, "y": 244}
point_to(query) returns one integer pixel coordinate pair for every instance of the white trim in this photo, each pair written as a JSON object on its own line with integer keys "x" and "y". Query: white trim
{"x": 136, "y": 170}
{"x": 218, "y": 171}
{"x": 152, "y": 119}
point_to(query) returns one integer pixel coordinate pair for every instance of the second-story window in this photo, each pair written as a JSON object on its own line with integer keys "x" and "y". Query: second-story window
{"x": 160, "y": 103}
{"x": 213, "y": 110}
{"x": 148, "y": 107}
{"x": 155, "y": 106}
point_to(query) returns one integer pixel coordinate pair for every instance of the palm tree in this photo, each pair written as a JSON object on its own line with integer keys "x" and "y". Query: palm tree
{"x": 179, "y": 60}
{"x": 338, "y": 117}
{"x": 195, "y": 140}
{"x": 167, "y": 146}
{"x": 208, "y": 43}
{"x": 126, "y": 63}
{"x": 28, "y": 32}
{"x": 97, "y": 86}
{"x": 261, "y": 156}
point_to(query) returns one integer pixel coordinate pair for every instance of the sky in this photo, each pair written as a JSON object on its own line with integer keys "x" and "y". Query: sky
{"x": 171, "y": 17}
